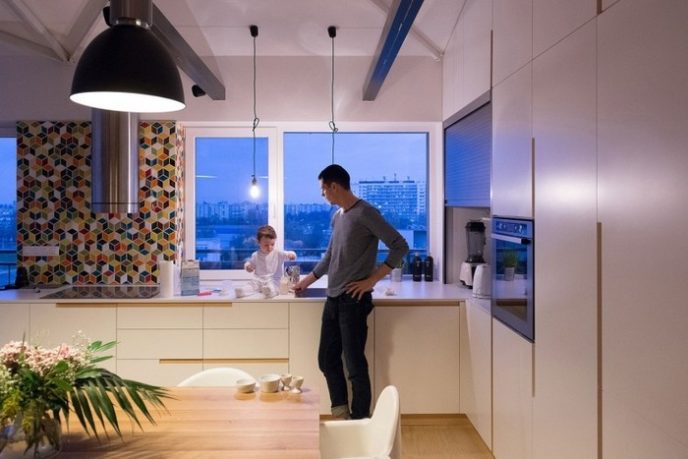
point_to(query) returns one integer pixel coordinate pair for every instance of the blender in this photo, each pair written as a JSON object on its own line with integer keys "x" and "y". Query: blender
{"x": 475, "y": 241}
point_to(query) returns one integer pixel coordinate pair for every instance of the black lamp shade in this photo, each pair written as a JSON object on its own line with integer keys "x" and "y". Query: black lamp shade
{"x": 126, "y": 68}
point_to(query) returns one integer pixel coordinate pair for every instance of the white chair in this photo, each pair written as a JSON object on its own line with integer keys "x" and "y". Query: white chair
{"x": 377, "y": 437}
{"x": 224, "y": 376}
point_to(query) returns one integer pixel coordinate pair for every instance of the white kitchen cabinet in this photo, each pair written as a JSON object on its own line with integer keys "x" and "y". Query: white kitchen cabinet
{"x": 642, "y": 139}
{"x": 159, "y": 316}
{"x": 555, "y": 19}
{"x": 564, "y": 128}
{"x": 304, "y": 337}
{"x": 96, "y": 322}
{"x": 246, "y": 343}
{"x": 247, "y": 315}
{"x": 475, "y": 388}
{"x": 467, "y": 62}
{"x": 14, "y": 325}
{"x": 417, "y": 350}
{"x": 251, "y": 336}
{"x": 159, "y": 344}
{"x": 512, "y": 176}
{"x": 513, "y": 37}
{"x": 153, "y": 371}
{"x": 512, "y": 387}
{"x": 166, "y": 343}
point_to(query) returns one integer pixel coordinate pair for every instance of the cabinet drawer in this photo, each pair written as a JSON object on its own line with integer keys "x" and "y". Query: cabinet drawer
{"x": 15, "y": 322}
{"x": 160, "y": 344}
{"x": 96, "y": 323}
{"x": 159, "y": 317}
{"x": 151, "y": 371}
{"x": 247, "y": 315}
{"x": 246, "y": 344}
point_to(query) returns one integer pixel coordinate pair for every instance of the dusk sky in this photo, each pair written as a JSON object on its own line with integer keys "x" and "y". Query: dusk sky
{"x": 224, "y": 165}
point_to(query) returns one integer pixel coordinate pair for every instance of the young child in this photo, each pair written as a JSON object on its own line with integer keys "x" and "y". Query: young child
{"x": 266, "y": 264}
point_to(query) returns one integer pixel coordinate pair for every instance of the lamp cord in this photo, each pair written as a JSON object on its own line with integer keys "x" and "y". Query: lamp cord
{"x": 333, "y": 126}
{"x": 256, "y": 120}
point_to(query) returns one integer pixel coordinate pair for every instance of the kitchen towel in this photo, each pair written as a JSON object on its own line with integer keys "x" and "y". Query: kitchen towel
{"x": 166, "y": 278}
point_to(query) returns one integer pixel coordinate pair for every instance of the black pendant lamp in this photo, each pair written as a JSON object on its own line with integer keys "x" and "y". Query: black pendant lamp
{"x": 332, "y": 32}
{"x": 126, "y": 68}
{"x": 254, "y": 191}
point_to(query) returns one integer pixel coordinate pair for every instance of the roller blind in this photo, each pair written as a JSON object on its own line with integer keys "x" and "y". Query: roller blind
{"x": 467, "y": 156}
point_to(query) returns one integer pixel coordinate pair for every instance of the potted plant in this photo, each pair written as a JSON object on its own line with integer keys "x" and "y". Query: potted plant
{"x": 40, "y": 387}
{"x": 510, "y": 261}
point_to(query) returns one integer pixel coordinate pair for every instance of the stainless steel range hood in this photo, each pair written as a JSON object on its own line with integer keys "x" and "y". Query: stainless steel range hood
{"x": 114, "y": 162}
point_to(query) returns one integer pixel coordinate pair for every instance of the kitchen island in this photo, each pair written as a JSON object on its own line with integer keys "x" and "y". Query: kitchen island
{"x": 413, "y": 336}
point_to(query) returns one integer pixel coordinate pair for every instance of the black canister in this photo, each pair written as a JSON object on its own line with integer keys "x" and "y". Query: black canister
{"x": 417, "y": 269}
{"x": 428, "y": 268}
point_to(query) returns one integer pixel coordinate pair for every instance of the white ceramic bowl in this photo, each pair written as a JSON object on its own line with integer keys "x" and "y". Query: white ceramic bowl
{"x": 245, "y": 385}
{"x": 269, "y": 383}
{"x": 297, "y": 382}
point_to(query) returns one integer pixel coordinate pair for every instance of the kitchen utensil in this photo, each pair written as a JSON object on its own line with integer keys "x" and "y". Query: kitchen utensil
{"x": 482, "y": 281}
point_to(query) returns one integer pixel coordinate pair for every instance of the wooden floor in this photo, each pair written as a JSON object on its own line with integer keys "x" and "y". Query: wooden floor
{"x": 441, "y": 437}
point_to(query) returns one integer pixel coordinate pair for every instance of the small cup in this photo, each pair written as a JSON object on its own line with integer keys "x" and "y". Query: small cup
{"x": 245, "y": 385}
{"x": 269, "y": 383}
{"x": 286, "y": 380}
{"x": 296, "y": 383}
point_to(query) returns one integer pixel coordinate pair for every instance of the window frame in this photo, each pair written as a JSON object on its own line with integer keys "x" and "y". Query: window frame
{"x": 190, "y": 192}
{"x": 10, "y": 132}
{"x": 275, "y": 132}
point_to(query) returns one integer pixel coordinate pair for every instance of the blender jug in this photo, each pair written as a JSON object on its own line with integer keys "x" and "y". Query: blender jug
{"x": 475, "y": 239}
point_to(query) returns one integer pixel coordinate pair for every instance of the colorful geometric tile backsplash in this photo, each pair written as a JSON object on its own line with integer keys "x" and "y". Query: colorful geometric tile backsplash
{"x": 53, "y": 206}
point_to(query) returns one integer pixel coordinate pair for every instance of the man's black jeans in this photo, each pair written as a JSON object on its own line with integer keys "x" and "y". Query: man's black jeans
{"x": 345, "y": 331}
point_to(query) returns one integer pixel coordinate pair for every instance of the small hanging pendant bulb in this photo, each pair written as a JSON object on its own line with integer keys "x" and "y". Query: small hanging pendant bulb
{"x": 254, "y": 191}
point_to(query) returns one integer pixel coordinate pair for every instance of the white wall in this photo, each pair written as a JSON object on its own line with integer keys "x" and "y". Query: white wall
{"x": 289, "y": 89}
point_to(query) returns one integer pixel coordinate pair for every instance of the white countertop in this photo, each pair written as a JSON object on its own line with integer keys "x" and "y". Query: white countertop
{"x": 405, "y": 292}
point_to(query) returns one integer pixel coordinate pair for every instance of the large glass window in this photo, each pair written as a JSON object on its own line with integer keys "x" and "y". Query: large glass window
{"x": 388, "y": 169}
{"x": 8, "y": 210}
{"x": 226, "y": 215}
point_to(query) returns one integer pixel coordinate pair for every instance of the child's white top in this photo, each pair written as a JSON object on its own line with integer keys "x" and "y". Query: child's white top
{"x": 269, "y": 264}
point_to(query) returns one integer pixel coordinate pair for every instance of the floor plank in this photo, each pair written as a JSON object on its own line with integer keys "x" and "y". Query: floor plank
{"x": 441, "y": 437}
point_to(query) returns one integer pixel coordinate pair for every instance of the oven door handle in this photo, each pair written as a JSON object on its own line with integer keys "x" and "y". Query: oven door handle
{"x": 515, "y": 240}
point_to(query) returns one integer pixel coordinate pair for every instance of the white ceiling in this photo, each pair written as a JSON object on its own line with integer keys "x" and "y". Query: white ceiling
{"x": 220, "y": 27}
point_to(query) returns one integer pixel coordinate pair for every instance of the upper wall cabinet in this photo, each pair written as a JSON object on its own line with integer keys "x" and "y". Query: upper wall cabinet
{"x": 466, "y": 66}
{"x": 467, "y": 156}
{"x": 513, "y": 36}
{"x": 555, "y": 19}
{"x": 512, "y": 175}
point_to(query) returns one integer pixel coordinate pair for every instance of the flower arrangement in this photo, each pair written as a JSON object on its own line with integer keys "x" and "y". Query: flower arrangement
{"x": 40, "y": 386}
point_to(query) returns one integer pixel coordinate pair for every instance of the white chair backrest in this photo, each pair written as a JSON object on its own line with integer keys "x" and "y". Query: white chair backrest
{"x": 224, "y": 376}
{"x": 384, "y": 423}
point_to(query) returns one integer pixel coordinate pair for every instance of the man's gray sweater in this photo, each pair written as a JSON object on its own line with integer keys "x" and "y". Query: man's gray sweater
{"x": 352, "y": 252}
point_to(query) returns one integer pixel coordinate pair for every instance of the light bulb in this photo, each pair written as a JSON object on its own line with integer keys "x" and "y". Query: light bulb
{"x": 254, "y": 191}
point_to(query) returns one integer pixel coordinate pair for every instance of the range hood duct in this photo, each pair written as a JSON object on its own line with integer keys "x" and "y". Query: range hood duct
{"x": 114, "y": 162}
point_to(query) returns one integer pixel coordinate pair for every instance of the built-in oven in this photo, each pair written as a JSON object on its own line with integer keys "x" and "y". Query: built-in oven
{"x": 513, "y": 260}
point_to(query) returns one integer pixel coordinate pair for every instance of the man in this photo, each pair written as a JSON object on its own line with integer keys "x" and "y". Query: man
{"x": 349, "y": 263}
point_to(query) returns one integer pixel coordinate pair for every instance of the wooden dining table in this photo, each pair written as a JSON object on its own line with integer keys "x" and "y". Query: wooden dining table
{"x": 211, "y": 422}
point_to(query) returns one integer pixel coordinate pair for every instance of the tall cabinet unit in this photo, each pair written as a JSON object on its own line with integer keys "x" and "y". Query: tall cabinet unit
{"x": 643, "y": 108}
{"x": 475, "y": 383}
{"x": 512, "y": 388}
{"x": 564, "y": 129}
